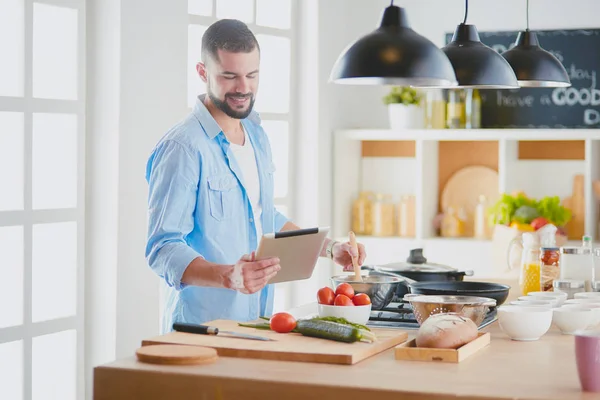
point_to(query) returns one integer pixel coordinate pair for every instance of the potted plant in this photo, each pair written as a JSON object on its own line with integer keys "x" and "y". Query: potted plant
{"x": 404, "y": 108}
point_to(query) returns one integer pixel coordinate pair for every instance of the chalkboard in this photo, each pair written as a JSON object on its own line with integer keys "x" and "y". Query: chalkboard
{"x": 577, "y": 106}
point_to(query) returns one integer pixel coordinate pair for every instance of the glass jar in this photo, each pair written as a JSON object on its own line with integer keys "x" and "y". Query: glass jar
{"x": 383, "y": 215}
{"x": 596, "y": 271}
{"x": 569, "y": 286}
{"x": 362, "y": 222}
{"x": 406, "y": 216}
{"x": 549, "y": 268}
{"x": 577, "y": 263}
{"x": 453, "y": 223}
{"x": 455, "y": 109}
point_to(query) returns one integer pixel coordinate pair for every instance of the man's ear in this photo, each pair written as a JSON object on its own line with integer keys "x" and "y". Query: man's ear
{"x": 201, "y": 68}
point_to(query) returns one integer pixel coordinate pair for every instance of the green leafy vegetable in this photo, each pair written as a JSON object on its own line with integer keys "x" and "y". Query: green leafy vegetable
{"x": 523, "y": 209}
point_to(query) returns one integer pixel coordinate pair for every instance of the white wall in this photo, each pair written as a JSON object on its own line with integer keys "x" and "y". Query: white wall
{"x": 134, "y": 46}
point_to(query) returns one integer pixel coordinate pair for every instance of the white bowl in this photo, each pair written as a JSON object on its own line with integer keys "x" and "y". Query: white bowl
{"x": 551, "y": 299}
{"x": 356, "y": 314}
{"x": 587, "y": 295}
{"x": 589, "y": 300}
{"x": 561, "y": 297}
{"x": 595, "y": 311}
{"x": 533, "y": 303}
{"x": 524, "y": 323}
{"x": 572, "y": 319}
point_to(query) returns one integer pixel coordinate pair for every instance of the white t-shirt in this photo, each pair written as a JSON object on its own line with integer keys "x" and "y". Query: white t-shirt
{"x": 247, "y": 162}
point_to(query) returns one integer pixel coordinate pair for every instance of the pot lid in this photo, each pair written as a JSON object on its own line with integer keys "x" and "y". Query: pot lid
{"x": 416, "y": 262}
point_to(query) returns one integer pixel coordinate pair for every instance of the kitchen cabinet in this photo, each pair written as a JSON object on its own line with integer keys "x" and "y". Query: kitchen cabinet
{"x": 419, "y": 162}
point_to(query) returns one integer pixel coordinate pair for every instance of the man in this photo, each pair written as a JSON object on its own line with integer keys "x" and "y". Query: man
{"x": 211, "y": 193}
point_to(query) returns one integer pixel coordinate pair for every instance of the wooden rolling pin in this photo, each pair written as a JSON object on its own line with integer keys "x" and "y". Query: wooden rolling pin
{"x": 353, "y": 244}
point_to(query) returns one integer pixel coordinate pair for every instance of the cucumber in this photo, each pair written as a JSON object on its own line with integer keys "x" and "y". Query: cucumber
{"x": 332, "y": 331}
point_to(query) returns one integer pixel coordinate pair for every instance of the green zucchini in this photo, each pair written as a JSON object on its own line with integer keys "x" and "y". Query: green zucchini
{"x": 332, "y": 331}
{"x": 343, "y": 321}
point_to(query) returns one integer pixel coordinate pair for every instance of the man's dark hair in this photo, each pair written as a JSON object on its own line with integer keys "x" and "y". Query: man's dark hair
{"x": 229, "y": 35}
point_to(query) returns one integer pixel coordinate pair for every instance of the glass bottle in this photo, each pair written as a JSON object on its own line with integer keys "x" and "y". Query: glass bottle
{"x": 529, "y": 277}
{"x": 549, "y": 258}
{"x": 435, "y": 112}
{"x": 480, "y": 228}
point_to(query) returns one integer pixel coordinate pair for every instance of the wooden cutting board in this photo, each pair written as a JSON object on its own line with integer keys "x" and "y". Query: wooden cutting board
{"x": 286, "y": 347}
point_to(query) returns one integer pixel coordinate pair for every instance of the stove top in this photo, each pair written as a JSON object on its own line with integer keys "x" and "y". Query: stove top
{"x": 400, "y": 315}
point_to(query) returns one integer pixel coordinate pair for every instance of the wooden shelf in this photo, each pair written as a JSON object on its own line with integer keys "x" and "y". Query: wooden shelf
{"x": 470, "y": 134}
{"x": 437, "y": 154}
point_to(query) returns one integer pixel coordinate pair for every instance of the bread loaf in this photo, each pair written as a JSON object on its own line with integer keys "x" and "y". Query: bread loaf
{"x": 446, "y": 331}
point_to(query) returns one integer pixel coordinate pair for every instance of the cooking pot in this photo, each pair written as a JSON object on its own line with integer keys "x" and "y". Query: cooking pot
{"x": 417, "y": 268}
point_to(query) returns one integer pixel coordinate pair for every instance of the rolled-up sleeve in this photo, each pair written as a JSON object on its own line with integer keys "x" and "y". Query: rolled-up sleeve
{"x": 280, "y": 220}
{"x": 172, "y": 174}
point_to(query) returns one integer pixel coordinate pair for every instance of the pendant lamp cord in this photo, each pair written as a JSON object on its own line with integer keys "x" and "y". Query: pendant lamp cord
{"x": 392, "y": 3}
{"x": 527, "y": 14}
{"x": 467, "y": 11}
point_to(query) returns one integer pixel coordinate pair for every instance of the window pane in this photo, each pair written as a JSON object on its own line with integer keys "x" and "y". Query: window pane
{"x": 11, "y": 370}
{"x": 54, "y": 270}
{"x": 54, "y": 366}
{"x": 195, "y": 84}
{"x": 11, "y": 47}
{"x": 11, "y": 160}
{"x": 278, "y": 133}
{"x": 54, "y": 161}
{"x": 274, "y": 13}
{"x": 237, "y": 9}
{"x": 274, "y": 88}
{"x": 200, "y": 7}
{"x": 11, "y": 270}
{"x": 54, "y": 52}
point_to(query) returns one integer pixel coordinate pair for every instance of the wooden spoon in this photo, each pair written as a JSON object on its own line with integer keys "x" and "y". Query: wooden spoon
{"x": 353, "y": 244}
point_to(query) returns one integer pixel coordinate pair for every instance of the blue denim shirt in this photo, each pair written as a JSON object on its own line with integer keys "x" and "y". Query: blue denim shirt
{"x": 198, "y": 207}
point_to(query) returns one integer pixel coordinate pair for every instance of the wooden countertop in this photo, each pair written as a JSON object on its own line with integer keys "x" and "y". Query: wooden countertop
{"x": 544, "y": 369}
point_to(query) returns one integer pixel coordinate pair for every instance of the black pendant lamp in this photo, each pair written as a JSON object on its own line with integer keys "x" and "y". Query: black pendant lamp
{"x": 475, "y": 64}
{"x": 394, "y": 54}
{"x": 534, "y": 66}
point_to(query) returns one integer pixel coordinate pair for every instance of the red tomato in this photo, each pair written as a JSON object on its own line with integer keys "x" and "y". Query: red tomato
{"x": 342, "y": 300}
{"x": 346, "y": 289}
{"x": 361, "y": 299}
{"x": 326, "y": 296}
{"x": 283, "y": 322}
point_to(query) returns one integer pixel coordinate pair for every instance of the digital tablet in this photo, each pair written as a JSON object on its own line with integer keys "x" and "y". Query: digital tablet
{"x": 298, "y": 252}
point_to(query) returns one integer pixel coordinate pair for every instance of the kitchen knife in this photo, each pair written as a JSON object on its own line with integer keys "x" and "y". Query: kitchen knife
{"x": 212, "y": 330}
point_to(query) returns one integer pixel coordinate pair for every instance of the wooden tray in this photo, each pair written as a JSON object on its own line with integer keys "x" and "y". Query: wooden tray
{"x": 286, "y": 347}
{"x": 408, "y": 351}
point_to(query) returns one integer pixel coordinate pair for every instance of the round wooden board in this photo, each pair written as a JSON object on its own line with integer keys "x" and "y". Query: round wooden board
{"x": 174, "y": 354}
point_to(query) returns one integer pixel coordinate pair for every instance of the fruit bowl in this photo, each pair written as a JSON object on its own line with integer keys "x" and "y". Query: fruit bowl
{"x": 355, "y": 314}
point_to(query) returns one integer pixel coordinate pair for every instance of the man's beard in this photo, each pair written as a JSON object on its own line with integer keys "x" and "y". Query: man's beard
{"x": 224, "y": 106}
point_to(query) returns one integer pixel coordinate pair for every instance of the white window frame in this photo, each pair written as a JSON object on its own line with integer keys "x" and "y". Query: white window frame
{"x": 28, "y": 105}
{"x": 291, "y": 33}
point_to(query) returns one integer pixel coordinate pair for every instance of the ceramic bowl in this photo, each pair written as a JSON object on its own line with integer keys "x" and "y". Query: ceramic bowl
{"x": 588, "y": 300}
{"x": 595, "y": 322}
{"x": 572, "y": 319}
{"x": 551, "y": 299}
{"x": 356, "y": 314}
{"x": 533, "y": 303}
{"x": 524, "y": 323}
{"x": 587, "y": 295}
{"x": 561, "y": 297}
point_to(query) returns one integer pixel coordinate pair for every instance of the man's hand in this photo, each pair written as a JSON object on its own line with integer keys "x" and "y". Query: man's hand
{"x": 249, "y": 276}
{"x": 343, "y": 253}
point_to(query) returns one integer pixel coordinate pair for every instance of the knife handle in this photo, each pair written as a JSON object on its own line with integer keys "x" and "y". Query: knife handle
{"x": 194, "y": 328}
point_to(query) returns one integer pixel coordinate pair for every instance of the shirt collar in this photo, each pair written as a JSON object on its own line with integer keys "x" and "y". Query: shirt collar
{"x": 207, "y": 121}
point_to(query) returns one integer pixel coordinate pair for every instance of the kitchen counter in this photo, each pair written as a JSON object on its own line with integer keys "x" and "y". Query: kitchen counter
{"x": 544, "y": 369}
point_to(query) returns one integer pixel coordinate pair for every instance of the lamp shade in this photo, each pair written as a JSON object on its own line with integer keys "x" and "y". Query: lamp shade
{"x": 394, "y": 54}
{"x": 477, "y": 65}
{"x": 534, "y": 66}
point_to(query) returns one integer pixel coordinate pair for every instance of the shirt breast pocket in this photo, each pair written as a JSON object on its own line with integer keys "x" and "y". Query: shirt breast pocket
{"x": 221, "y": 196}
